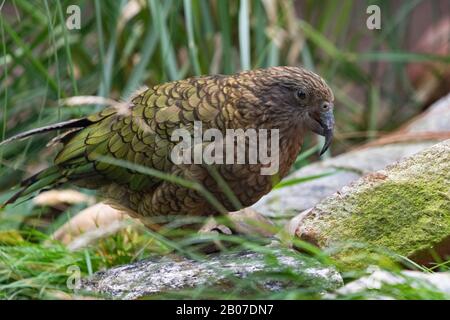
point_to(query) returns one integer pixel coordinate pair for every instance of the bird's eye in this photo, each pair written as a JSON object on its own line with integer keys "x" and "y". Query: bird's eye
{"x": 301, "y": 94}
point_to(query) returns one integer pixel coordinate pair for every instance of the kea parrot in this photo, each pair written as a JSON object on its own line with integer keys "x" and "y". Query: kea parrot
{"x": 138, "y": 132}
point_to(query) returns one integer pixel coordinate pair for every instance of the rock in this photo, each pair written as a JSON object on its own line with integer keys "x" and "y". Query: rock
{"x": 93, "y": 223}
{"x": 55, "y": 198}
{"x": 428, "y": 129}
{"x": 369, "y": 286}
{"x": 167, "y": 274}
{"x": 404, "y": 208}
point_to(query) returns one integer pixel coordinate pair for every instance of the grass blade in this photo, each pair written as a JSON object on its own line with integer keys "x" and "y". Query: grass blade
{"x": 244, "y": 35}
{"x": 190, "y": 33}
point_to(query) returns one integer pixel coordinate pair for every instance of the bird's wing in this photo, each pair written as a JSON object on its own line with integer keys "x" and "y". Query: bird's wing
{"x": 138, "y": 133}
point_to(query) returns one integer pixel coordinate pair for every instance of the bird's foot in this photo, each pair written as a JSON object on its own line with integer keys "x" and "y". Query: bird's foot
{"x": 212, "y": 234}
{"x": 245, "y": 224}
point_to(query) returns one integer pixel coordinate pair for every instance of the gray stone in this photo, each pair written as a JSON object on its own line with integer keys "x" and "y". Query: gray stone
{"x": 435, "y": 119}
{"x": 369, "y": 286}
{"x": 166, "y": 274}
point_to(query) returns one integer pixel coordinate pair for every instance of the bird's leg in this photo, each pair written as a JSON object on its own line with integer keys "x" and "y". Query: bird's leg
{"x": 249, "y": 222}
{"x": 212, "y": 227}
{"x": 246, "y": 222}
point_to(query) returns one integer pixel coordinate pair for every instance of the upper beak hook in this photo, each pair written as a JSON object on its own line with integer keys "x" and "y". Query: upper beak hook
{"x": 327, "y": 123}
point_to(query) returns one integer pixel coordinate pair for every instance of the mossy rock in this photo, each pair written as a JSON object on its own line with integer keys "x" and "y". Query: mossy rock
{"x": 403, "y": 210}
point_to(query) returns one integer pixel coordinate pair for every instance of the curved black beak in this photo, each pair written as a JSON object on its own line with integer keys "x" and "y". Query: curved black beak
{"x": 327, "y": 123}
{"x": 324, "y": 126}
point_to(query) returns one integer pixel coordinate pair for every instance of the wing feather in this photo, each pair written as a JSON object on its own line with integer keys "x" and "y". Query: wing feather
{"x": 139, "y": 134}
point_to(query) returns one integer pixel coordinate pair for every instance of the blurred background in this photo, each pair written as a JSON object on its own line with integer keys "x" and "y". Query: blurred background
{"x": 381, "y": 78}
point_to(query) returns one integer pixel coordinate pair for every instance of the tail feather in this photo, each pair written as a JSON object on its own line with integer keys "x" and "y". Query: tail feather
{"x": 45, "y": 178}
{"x": 51, "y": 176}
{"x": 70, "y": 124}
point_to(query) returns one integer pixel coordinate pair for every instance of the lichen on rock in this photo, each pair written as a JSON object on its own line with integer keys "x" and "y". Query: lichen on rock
{"x": 167, "y": 274}
{"x": 404, "y": 209}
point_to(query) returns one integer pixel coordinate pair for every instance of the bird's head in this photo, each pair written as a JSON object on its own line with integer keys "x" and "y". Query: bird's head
{"x": 294, "y": 95}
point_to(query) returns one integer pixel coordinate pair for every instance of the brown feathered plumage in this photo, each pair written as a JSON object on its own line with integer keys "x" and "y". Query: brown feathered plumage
{"x": 290, "y": 99}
